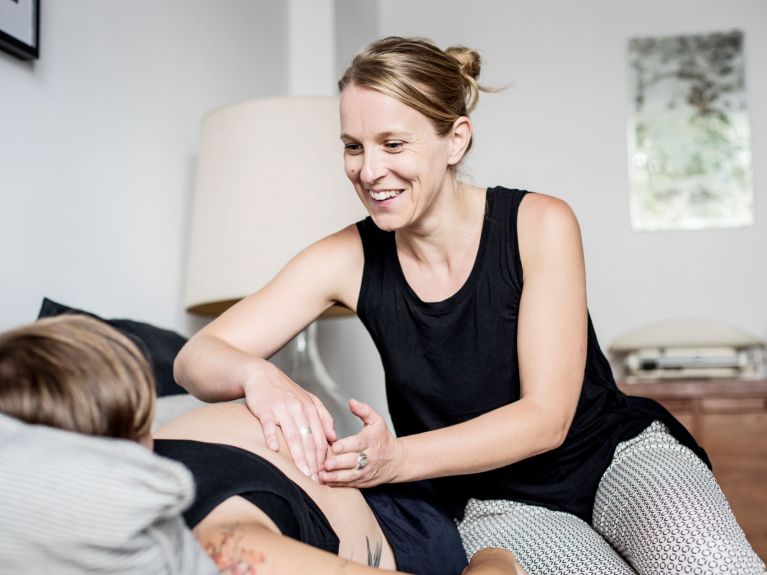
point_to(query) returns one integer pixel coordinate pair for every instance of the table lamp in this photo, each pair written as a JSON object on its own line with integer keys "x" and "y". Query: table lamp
{"x": 270, "y": 182}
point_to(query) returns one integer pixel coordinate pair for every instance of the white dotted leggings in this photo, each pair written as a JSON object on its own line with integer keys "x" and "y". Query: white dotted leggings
{"x": 658, "y": 510}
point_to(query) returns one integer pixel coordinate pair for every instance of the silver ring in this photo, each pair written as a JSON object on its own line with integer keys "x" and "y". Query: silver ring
{"x": 362, "y": 460}
{"x": 304, "y": 431}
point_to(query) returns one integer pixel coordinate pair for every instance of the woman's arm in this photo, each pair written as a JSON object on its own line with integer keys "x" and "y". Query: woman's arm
{"x": 252, "y": 548}
{"x": 228, "y": 358}
{"x": 551, "y": 343}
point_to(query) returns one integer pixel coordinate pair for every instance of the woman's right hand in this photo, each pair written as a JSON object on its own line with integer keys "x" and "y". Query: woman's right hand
{"x": 306, "y": 424}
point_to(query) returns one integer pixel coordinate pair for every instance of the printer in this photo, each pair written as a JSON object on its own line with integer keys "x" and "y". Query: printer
{"x": 688, "y": 348}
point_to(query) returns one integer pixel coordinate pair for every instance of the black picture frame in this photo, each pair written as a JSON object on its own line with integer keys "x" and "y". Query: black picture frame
{"x": 20, "y": 28}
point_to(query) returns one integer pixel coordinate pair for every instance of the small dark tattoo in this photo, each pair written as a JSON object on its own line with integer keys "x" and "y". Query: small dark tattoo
{"x": 374, "y": 557}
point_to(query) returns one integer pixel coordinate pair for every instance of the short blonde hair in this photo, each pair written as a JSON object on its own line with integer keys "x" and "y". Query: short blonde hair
{"x": 76, "y": 373}
{"x": 441, "y": 84}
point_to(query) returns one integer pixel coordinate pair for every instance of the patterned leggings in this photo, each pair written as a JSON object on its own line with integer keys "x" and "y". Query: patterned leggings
{"x": 658, "y": 510}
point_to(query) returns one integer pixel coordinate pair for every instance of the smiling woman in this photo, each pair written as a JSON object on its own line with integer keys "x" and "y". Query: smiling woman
{"x": 476, "y": 300}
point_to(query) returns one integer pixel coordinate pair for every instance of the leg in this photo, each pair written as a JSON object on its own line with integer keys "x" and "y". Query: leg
{"x": 544, "y": 542}
{"x": 661, "y": 508}
{"x": 493, "y": 561}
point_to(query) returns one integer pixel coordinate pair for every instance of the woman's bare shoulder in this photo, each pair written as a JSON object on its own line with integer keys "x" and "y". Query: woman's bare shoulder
{"x": 537, "y": 209}
{"x": 340, "y": 256}
{"x": 546, "y": 226}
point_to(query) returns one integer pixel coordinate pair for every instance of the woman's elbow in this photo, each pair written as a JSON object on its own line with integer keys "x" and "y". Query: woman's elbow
{"x": 559, "y": 430}
{"x": 179, "y": 368}
{"x": 553, "y": 428}
{"x": 183, "y": 368}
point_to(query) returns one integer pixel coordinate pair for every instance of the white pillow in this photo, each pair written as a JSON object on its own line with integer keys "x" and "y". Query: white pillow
{"x": 77, "y": 504}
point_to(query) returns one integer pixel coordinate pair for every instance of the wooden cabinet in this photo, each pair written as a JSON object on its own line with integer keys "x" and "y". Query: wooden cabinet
{"x": 729, "y": 419}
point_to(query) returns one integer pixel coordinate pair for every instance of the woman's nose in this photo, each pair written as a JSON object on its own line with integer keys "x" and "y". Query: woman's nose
{"x": 373, "y": 168}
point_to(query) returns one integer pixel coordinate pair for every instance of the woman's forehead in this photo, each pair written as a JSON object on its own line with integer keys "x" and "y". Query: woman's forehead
{"x": 365, "y": 111}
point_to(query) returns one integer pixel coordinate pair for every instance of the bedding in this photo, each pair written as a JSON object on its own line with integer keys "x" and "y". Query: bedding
{"x": 79, "y": 504}
{"x": 158, "y": 345}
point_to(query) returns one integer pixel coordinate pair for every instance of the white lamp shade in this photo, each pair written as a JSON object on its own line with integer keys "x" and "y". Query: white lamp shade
{"x": 270, "y": 181}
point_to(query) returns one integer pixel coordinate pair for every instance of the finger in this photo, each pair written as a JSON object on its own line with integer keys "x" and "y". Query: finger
{"x": 295, "y": 443}
{"x": 319, "y": 442}
{"x": 367, "y": 414}
{"x": 344, "y": 461}
{"x": 326, "y": 419}
{"x": 270, "y": 434}
{"x": 307, "y": 432}
{"x": 342, "y": 477}
{"x": 306, "y": 437}
{"x": 354, "y": 443}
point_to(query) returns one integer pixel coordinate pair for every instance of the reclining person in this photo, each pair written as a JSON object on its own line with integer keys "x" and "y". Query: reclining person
{"x": 254, "y": 510}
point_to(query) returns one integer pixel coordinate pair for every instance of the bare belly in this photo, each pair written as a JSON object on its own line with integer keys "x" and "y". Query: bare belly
{"x": 348, "y": 513}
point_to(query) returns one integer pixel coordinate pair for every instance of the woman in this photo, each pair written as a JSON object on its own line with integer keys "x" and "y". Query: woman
{"x": 253, "y": 510}
{"x": 497, "y": 388}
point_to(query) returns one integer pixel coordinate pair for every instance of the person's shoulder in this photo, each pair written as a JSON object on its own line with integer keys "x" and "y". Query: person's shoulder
{"x": 339, "y": 250}
{"x": 542, "y": 213}
{"x": 343, "y": 240}
{"x": 546, "y": 226}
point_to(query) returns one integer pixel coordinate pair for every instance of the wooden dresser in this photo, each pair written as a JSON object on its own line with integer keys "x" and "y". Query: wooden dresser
{"x": 729, "y": 419}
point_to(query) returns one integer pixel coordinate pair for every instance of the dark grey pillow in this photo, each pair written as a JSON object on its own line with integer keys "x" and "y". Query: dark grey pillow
{"x": 158, "y": 345}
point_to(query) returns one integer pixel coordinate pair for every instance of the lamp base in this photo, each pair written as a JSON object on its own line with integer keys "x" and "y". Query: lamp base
{"x": 306, "y": 368}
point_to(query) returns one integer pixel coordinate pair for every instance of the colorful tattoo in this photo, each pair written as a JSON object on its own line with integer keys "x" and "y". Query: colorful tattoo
{"x": 374, "y": 557}
{"x": 231, "y": 557}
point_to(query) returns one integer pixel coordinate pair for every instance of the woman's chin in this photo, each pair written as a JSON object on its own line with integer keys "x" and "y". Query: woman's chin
{"x": 387, "y": 222}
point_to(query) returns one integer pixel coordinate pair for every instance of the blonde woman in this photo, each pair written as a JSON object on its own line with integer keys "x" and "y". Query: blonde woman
{"x": 476, "y": 300}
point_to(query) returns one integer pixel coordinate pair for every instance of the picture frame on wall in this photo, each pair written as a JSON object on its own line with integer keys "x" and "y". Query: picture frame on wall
{"x": 20, "y": 28}
{"x": 689, "y": 133}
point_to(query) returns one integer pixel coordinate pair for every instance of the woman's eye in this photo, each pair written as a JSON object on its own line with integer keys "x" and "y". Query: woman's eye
{"x": 394, "y": 146}
{"x": 352, "y": 148}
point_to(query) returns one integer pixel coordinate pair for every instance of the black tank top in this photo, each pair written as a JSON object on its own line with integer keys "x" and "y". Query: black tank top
{"x": 222, "y": 471}
{"x": 450, "y": 361}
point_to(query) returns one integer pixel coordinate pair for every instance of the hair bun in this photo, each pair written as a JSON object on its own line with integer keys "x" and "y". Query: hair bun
{"x": 468, "y": 59}
{"x": 469, "y": 62}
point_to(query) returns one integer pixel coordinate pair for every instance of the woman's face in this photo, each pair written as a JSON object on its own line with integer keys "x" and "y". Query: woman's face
{"x": 393, "y": 157}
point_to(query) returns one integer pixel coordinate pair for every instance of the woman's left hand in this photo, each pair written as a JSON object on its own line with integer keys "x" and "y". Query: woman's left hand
{"x": 369, "y": 458}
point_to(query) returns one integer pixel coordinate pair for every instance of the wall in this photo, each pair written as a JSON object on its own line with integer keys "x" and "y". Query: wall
{"x": 98, "y": 144}
{"x": 561, "y": 129}
{"x": 100, "y": 135}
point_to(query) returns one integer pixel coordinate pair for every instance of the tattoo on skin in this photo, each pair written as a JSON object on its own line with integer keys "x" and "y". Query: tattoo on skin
{"x": 374, "y": 557}
{"x": 230, "y": 556}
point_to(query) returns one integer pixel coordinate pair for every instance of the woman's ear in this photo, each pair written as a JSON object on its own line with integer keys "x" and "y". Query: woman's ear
{"x": 460, "y": 137}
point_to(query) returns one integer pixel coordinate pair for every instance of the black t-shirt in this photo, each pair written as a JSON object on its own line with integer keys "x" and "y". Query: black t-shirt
{"x": 450, "y": 361}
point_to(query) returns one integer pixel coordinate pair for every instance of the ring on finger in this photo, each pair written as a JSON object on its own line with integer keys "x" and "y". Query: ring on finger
{"x": 362, "y": 460}
{"x": 304, "y": 430}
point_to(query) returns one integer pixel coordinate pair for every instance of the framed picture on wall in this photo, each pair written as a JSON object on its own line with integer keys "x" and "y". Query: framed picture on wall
{"x": 689, "y": 133}
{"x": 20, "y": 28}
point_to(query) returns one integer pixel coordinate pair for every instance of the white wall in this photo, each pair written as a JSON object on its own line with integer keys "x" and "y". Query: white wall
{"x": 99, "y": 139}
{"x": 561, "y": 129}
{"x": 98, "y": 144}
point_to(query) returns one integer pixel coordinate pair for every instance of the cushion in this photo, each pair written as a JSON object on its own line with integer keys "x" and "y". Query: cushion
{"x": 79, "y": 504}
{"x": 158, "y": 345}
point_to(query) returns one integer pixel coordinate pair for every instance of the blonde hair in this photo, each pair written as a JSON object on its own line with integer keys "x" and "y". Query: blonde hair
{"x": 76, "y": 373}
{"x": 441, "y": 84}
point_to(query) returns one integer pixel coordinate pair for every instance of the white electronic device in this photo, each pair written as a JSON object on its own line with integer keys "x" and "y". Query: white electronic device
{"x": 689, "y": 348}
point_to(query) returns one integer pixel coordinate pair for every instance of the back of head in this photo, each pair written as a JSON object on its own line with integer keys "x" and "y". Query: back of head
{"x": 441, "y": 84}
{"x": 76, "y": 373}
